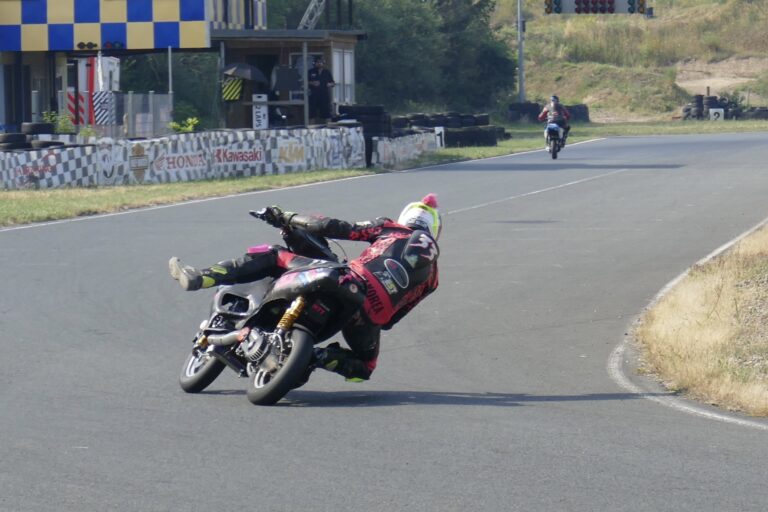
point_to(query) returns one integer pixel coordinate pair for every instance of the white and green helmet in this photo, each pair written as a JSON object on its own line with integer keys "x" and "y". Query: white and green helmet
{"x": 423, "y": 215}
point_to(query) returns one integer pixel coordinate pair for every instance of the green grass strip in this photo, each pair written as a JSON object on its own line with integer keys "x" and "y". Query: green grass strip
{"x": 28, "y": 206}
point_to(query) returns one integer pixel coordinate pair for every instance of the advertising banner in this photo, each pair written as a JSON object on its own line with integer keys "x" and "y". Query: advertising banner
{"x": 183, "y": 157}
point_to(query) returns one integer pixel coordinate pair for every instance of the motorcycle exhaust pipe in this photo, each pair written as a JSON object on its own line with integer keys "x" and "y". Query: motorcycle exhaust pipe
{"x": 224, "y": 340}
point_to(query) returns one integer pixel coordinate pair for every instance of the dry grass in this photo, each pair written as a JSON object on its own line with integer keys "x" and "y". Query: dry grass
{"x": 624, "y": 65}
{"x": 708, "y": 337}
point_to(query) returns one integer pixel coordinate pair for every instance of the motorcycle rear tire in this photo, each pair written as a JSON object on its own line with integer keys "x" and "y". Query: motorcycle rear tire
{"x": 195, "y": 376}
{"x": 289, "y": 375}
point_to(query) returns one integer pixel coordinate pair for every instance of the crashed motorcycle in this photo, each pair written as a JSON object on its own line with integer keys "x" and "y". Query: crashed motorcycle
{"x": 553, "y": 134}
{"x": 265, "y": 331}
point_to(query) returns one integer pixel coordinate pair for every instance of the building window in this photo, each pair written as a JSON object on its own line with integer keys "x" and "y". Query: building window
{"x": 344, "y": 74}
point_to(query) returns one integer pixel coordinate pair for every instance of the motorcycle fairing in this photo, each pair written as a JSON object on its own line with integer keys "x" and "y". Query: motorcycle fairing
{"x": 331, "y": 295}
{"x": 240, "y": 300}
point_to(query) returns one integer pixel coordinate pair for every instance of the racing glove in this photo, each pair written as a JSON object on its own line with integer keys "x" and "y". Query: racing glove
{"x": 275, "y": 216}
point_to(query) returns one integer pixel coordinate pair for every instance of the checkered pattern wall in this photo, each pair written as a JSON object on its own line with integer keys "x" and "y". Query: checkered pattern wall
{"x": 61, "y": 25}
{"x": 183, "y": 157}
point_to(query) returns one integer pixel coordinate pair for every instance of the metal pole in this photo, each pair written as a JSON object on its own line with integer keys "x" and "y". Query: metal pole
{"x": 36, "y": 106}
{"x": 170, "y": 71}
{"x": 170, "y": 80}
{"x": 131, "y": 128}
{"x": 305, "y": 85}
{"x": 86, "y": 108}
{"x": 520, "y": 59}
{"x": 62, "y": 110}
{"x": 220, "y": 100}
{"x": 152, "y": 112}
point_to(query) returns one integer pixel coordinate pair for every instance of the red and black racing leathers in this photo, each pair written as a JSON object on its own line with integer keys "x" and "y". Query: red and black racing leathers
{"x": 399, "y": 269}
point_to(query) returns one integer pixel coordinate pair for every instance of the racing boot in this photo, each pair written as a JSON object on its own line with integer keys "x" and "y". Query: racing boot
{"x": 328, "y": 358}
{"x": 335, "y": 359}
{"x": 192, "y": 279}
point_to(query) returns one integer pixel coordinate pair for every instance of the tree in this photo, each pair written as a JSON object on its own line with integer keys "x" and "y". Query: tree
{"x": 403, "y": 57}
{"x": 440, "y": 52}
{"x": 479, "y": 66}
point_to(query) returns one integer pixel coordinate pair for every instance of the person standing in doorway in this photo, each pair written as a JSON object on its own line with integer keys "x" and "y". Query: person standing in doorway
{"x": 320, "y": 82}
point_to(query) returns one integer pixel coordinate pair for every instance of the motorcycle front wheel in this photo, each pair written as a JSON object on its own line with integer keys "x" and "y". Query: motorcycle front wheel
{"x": 268, "y": 386}
{"x": 199, "y": 370}
{"x": 554, "y": 147}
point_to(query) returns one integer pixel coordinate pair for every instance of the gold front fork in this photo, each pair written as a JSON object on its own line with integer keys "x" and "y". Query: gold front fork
{"x": 202, "y": 342}
{"x": 291, "y": 314}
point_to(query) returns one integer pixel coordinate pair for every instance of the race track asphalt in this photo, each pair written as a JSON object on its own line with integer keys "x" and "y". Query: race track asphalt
{"x": 493, "y": 395}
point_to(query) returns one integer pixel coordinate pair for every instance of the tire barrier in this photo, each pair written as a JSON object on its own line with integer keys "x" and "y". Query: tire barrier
{"x": 523, "y": 112}
{"x": 529, "y": 112}
{"x": 375, "y": 121}
{"x": 474, "y": 136}
{"x": 757, "y": 113}
{"x": 701, "y": 105}
{"x": 579, "y": 112}
{"x": 37, "y": 128}
{"x": 183, "y": 157}
{"x": 447, "y": 120}
{"x": 378, "y": 124}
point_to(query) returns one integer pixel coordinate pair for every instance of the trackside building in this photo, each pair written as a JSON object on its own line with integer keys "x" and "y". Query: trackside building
{"x": 46, "y": 44}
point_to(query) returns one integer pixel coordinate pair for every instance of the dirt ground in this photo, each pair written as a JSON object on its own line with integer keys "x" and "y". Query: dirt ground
{"x": 700, "y": 77}
{"x": 714, "y": 78}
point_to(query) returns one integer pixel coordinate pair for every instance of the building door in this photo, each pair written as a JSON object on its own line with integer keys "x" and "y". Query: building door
{"x": 17, "y": 96}
{"x": 4, "y": 98}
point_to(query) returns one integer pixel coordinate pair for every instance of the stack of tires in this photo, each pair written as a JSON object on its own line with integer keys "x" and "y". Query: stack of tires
{"x": 461, "y": 129}
{"x": 579, "y": 113}
{"x": 525, "y": 112}
{"x": 375, "y": 120}
{"x": 699, "y": 108}
{"x": 697, "y": 112}
{"x": 755, "y": 113}
{"x": 473, "y": 130}
{"x": 401, "y": 126}
{"x": 25, "y": 140}
{"x": 474, "y": 136}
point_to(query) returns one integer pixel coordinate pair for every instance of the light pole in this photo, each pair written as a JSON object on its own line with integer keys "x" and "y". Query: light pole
{"x": 520, "y": 60}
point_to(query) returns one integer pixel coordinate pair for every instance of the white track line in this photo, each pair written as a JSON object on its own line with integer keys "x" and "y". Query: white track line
{"x": 498, "y": 156}
{"x": 615, "y": 361}
{"x": 534, "y": 192}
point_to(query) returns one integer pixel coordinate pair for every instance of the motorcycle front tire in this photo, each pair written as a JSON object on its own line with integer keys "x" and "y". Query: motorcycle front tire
{"x": 199, "y": 371}
{"x": 554, "y": 147}
{"x": 269, "y": 392}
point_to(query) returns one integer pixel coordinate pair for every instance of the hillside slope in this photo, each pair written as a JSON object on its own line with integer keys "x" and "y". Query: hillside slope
{"x": 631, "y": 67}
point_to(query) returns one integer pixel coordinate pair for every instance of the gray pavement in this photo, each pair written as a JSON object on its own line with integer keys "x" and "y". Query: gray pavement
{"x": 493, "y": 395}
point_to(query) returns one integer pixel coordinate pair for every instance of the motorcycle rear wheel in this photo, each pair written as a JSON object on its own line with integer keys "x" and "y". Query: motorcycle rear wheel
{"x": 199, "y": 370}
{"x": 268, "y": 388}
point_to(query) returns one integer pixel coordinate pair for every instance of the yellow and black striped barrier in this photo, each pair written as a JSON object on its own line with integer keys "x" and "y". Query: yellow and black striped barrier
{"x": 232, "y": 89}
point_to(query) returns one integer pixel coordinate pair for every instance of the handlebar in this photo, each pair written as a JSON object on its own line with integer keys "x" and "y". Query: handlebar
{"x": 300, "y": 240}
{"x": 259, "y": 214}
